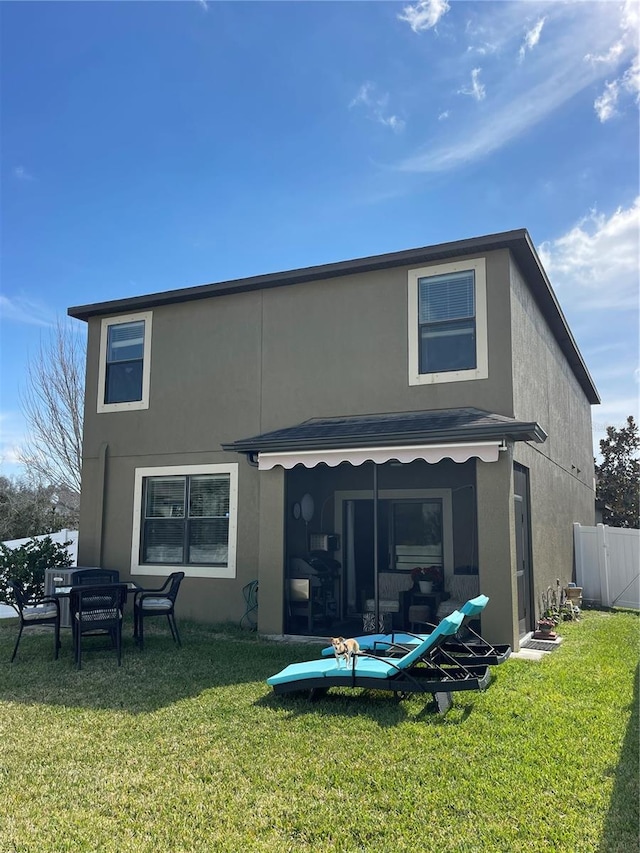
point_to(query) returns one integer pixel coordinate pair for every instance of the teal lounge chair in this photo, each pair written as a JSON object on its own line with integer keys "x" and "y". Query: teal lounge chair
{"x": 468, "y": 647}
{"x": 419, "y": 670}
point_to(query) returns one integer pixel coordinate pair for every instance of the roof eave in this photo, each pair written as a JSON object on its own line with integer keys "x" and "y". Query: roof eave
{"x": 370, "y": 263}
{"x": 517, "y": 241}
{"x": 516, "y": 432}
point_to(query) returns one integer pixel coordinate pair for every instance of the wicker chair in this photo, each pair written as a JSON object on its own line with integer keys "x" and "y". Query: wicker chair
{"x": 35, "y": 611}
{"x": 95, "y": 576}
{"x": 157, "y": 602}
{"x": 95, "y": 610}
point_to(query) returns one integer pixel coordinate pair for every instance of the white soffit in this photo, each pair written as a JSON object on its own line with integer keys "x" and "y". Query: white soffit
{"x": 487, "y": 451}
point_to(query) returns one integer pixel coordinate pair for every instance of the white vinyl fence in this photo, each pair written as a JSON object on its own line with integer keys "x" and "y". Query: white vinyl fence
{"x": 62, "y": 536}
{"x": 608, "y": 565}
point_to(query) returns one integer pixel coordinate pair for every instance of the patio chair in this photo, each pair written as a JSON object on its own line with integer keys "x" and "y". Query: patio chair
{"x": 95, "y": 576}
{"x": 157, "y": 602}
{"x": 96, "y": 610}
{"x": 468, "y": 647}
{"x": 34, "y": 611}
{"x": 419, "y": 670}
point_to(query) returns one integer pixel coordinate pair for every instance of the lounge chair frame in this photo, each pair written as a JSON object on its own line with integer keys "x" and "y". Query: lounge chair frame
{"x": 467, "y": 646}
{"x": 437, "y": 680}
{"x": 428, "y": 670}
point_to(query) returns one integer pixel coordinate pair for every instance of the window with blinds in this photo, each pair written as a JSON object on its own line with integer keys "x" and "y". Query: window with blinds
{"x": 186, "y": 520}
{"x": 447, "y": 322}
{"x": 125, "y": 358}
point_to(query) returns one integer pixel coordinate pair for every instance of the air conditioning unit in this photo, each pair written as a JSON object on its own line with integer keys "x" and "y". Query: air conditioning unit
{"x": 54, "y": 578}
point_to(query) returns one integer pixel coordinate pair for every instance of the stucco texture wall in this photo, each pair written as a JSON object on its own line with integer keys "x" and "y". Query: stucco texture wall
{"x": 233, "y": 366}
{"x": 561, "y": 469}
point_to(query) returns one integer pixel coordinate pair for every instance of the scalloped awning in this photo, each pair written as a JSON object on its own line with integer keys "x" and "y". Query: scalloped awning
{"x": 486, "y": 451}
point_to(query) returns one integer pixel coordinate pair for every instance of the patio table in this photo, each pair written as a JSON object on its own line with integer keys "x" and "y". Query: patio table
{"x": 63, "y": 593}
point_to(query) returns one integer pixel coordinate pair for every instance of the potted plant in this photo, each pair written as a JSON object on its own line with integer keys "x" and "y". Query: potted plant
{"x": 546, "y": 625}
{"x": 427, "y": 577}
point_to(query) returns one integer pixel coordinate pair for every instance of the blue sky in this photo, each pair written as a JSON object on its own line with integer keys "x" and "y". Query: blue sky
{"x": 156, "y": 145}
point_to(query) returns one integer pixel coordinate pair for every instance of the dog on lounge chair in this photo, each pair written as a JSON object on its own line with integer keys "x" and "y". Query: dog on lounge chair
{"x": 344, "y": 649}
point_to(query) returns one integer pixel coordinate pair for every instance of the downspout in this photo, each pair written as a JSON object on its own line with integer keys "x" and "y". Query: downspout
{"x": 252, "y": 458}
{"x": 98, "y": 544}
{"x": 376, "y": 598}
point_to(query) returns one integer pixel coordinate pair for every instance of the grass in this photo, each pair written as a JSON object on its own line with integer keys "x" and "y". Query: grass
{"x": 188, "y": 750}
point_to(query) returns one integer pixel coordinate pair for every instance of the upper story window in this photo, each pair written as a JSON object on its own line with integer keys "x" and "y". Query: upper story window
{"x": 186, "y": 517}
{"x": 125, "y": 350}
{"x": 448, "y": 323}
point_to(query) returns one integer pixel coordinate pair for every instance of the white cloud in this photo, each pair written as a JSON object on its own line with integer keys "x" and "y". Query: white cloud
{"x": 12, "y": 435}
{"x": 547, "y": 81}
{"x": 424, "y": 15}
{"x": 595, "y": 265}
{"x": 477, "y": 89}
{"x": 443, "y": 115}
{"x": 631, "y": 78}
{"x": 532, "y": 37}
{"x": 363, "y": 96}
{"x": 605, "y": 104}
{"x": 21, "y": 174}
{"x": 396, "y": 124}
{"x": 20, "y": 309}
{"x": 376, "y": 106}
{"x": 204, "y": 4}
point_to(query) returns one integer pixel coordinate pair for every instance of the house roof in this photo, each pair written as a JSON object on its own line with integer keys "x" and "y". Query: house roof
{"x": 397, "y": 429}
{"x": 518, "y": 242}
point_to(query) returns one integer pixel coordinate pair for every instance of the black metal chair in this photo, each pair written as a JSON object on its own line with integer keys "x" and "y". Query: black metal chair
{"x": 97, "y": 609}
{"x": 95, "y": 576}
{"x": 157, "y": 602}
{"x": 33, "y": 611}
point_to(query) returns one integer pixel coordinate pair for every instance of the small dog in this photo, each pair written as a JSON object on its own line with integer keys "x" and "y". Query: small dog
{"x": 344, "y": 649}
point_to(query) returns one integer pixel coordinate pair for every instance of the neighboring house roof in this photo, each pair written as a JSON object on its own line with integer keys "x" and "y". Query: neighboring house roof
{"x": 517, "y": 242}
{"x": 399, "y": 429}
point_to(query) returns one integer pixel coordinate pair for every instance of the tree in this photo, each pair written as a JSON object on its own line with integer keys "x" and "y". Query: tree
{"x": 27, "y": 563}
{"x": 53, "y": 406}
{"x": 618, "y": 477}
{"x": 31, "y": 510}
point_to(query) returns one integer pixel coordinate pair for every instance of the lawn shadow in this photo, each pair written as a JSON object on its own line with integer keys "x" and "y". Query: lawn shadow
{"x": 211, "y": 657}
{"x": 622, "y": 821}
{"x": 382, "y": 706}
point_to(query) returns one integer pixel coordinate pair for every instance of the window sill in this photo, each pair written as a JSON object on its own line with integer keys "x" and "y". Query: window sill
{"x": 163, "y": 571}
{"x": 449, "y": 376}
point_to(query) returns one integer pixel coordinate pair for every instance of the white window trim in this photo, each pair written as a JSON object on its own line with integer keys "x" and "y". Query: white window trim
{"x": 146, "y": 362}
{"x": 163, "y": 570}
{"x": 481, "y": 371}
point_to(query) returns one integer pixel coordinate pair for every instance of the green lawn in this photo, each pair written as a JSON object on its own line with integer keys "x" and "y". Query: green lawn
{"x": 188, "y": 750}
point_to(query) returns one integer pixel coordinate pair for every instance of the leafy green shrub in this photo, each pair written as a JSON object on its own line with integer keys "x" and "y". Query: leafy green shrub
{"x": 28, "y": 563}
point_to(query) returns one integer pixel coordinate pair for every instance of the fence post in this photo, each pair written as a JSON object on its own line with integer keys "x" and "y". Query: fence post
{"x": 603, "y": 564}
{"x": 578, "y": 553}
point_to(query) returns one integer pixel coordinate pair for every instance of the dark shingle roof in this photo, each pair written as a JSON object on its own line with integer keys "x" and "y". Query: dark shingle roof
{"x": 396, "y": 429}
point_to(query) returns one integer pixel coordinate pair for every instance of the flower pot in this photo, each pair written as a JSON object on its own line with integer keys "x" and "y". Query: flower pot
{"x": 425, "y": 586}
{"x": 574, "y": 594}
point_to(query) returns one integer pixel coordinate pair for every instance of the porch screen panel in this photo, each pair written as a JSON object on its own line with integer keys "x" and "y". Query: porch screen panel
{"x": 417, "y": 533}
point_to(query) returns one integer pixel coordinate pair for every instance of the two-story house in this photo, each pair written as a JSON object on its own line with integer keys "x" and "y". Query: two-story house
{"x": 425, "y": 407}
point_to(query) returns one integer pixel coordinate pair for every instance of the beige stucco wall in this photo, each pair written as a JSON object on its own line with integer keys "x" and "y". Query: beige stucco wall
{"x": 561, "y": 470}
{"x": 233, "y": 366}
{"x": 496, "y": 549}
{"x": 230, "y": 367}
